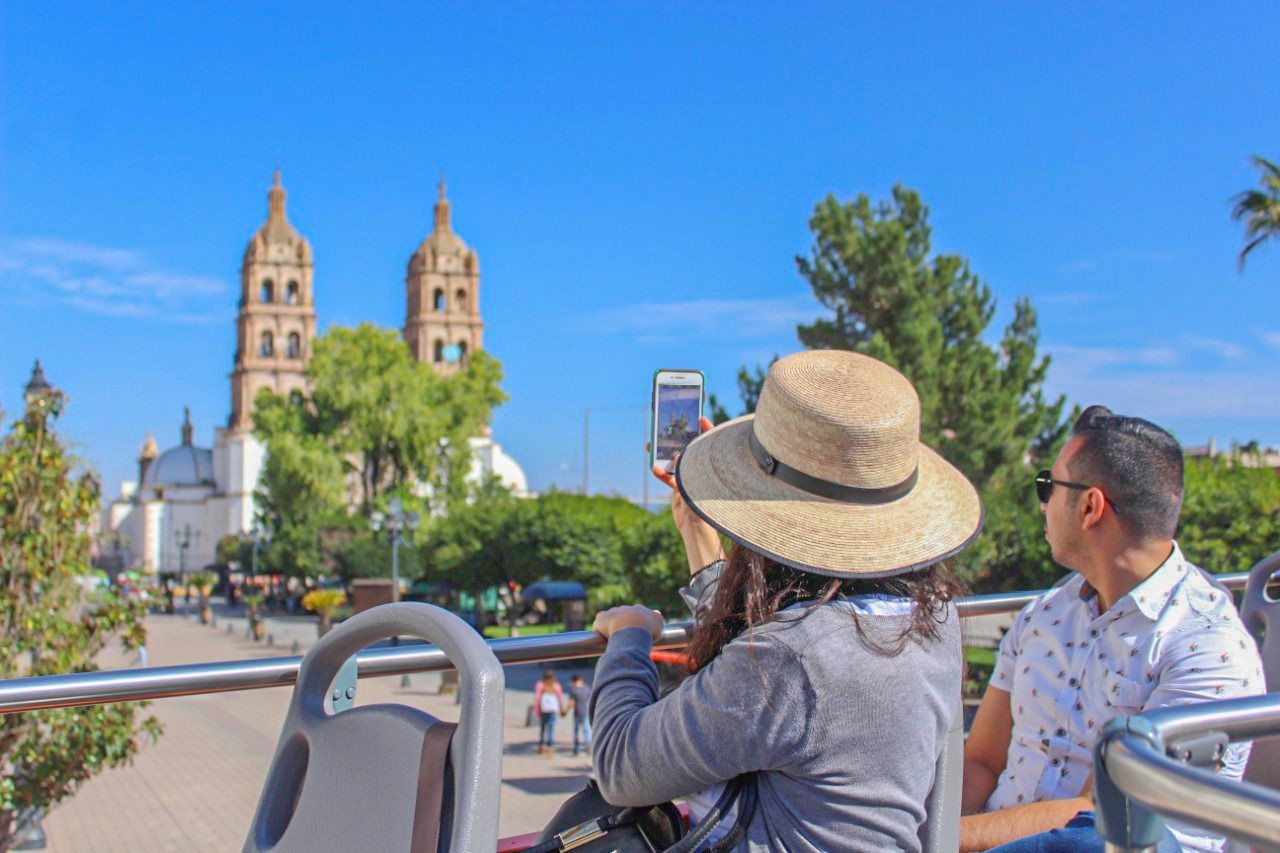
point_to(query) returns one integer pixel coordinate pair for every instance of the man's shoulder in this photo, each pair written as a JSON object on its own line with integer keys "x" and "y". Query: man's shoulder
{"x": 1199, "y": 601}
{"x": 1064, "y": 593}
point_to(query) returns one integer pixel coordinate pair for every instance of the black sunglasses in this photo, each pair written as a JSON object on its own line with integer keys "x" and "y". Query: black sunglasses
{"x": 1045, "y": 484}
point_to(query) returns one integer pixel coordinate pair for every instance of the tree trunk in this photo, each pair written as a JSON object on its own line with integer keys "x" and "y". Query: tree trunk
{"x": 326, "y": 622}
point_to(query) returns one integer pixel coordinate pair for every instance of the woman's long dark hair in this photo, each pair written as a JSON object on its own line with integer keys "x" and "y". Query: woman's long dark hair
{"x": 752, "y": 589}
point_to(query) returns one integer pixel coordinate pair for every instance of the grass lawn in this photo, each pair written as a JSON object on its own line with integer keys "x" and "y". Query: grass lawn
{"x": 979, "y": 657}
{"x": 495, "y": 632}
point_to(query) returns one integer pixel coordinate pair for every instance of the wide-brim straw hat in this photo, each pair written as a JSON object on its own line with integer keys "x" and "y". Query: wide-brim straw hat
{"x": 829, "y": 474}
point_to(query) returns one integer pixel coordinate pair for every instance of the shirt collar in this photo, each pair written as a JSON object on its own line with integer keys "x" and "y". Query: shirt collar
{"x": 1151, "y": 596}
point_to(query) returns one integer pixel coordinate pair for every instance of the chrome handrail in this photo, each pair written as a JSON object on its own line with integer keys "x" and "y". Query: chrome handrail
{"x": 101, "y": 687}
{"x": 1131, "y": 757}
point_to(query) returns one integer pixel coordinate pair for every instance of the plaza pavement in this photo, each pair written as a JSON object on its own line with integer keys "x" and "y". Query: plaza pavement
{"x": 197, "y": 787}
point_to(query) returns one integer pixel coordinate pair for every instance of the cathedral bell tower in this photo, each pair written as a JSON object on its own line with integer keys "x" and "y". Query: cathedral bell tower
{"x": 277, "y": 320}
{"x": 442, "y": 322}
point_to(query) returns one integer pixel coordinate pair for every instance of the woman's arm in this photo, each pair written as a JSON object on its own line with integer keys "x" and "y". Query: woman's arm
{"x": 701, "y": 541}
{"x": 747, "y": 710}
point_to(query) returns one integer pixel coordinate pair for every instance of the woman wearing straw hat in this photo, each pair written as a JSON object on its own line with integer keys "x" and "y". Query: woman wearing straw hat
{"x": 826, "y": 647}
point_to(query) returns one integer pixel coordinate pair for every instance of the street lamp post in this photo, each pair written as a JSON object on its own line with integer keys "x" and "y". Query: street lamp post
{"x": 395, "y": 521}
{"x": 183, "y": 539}
{"x": 260, "y": 537}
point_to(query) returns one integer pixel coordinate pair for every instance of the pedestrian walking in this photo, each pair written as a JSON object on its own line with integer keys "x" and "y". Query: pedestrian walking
{"x": 548, "y": 698}
{"x": 580, "y": 703}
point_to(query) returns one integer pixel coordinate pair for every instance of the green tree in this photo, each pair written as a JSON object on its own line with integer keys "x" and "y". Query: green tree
{"x": 1231, "y": 514}
{"x": 1259, "y": 209}
{"x": 485, "y": 544}
{"x": 376, "y": 422}
{"x": 982, "y": 404}
{"x": 50, "y": 624}
{"x": 368, "y": 555}
{"x": 300, "y": 497}
{"x": 235, "y": 549}
{"x": 618, "y": 551}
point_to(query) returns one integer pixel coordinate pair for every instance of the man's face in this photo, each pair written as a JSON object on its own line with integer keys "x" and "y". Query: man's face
{"x": 1061, "y": 528}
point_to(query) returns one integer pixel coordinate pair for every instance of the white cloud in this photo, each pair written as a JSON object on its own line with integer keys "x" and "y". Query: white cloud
{"x": 102, "y": 280}
{"x": 1154, "y": 382}
{"x": 1221, "y": 348}
{"x": 740, "y": 318}
{"x": 1088, "y": 358}
{"x": 66, "y": 252}
{"x": 1271, "y": 339}
{"x": 1175, "y": 394}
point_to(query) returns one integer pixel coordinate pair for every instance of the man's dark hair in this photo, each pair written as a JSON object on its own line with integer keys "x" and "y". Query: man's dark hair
{"x": 1136, "y": 464}
{"x": 576, "y": 677}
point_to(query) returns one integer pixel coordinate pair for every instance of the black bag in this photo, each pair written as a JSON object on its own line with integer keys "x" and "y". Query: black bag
{"x": 588, "y": 824}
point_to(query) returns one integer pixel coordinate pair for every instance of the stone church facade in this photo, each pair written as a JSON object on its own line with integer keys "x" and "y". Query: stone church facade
{"x": 188, "y": 497}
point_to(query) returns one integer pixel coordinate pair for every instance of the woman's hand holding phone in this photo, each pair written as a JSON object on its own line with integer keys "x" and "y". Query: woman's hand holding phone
{"x": 701, "y": 541}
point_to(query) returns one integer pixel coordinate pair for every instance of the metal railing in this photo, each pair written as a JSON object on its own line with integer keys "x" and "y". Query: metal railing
{"x": 1144, "y": 771}
{"x": 98, "y": 688}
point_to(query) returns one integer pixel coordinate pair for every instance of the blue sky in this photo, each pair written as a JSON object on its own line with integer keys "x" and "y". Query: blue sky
{"x": 637, "y": 180}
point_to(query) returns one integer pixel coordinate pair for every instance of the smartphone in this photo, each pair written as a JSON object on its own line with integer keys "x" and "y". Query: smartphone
{"x": 674, "y": 413}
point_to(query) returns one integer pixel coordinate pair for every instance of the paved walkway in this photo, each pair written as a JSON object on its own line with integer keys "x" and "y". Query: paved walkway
{"x": 196, "y": 788}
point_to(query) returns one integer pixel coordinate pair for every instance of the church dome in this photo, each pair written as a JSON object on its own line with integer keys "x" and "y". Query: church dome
{"x": 185, "y": 465}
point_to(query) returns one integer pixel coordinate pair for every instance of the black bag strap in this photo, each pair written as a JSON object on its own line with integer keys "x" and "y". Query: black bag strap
{"x": 740, "y": 790}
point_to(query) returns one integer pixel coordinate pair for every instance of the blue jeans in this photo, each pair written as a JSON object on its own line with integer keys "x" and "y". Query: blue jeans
{"x": 547, "y": 728}
{"x": 1080, "y": 835}
{"x": 581, "y": 727}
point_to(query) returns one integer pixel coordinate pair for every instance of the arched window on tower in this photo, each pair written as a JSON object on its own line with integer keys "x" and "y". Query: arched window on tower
{"x": 460, "y": 301}
{"x": 294, "y": 346}
{"x": 437, "y": 300}
{"x": 291, "y": 293}
{"x": 267, "y": 345}
{"x": 268, "y": 293}
{"x": 462, "y": 352}
{"x": 437, "y": 354}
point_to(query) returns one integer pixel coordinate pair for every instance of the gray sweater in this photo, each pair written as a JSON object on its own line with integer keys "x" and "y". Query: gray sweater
{"x": 846, "y": 738}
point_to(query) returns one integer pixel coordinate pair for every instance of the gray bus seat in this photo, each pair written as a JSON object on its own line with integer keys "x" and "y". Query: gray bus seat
{"x": 374, "y": 777}
{"x": 1261, "y": 616}
{"x": 940, "y": 832}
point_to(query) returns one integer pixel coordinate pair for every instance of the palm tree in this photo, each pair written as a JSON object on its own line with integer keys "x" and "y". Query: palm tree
{"x": 1259, "y": 209}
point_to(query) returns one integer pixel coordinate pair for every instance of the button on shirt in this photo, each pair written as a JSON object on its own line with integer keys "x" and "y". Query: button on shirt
{"x": 1174, "y": 639}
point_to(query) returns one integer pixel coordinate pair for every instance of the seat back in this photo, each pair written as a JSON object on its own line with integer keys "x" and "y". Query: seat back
{"x": 372, "y": 778}
{"x": 1261, "y": 616}
{"x": 940, "y": 832}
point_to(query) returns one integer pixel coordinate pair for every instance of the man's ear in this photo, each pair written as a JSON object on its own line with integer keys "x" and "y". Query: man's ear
{"x": 1092, "y": 508}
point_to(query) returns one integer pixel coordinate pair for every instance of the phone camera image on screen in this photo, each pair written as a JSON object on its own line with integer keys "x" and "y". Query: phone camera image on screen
{"x": 677, "y": 422}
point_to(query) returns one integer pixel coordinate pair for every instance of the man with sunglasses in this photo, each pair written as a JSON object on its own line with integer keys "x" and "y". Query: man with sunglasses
{"x": 1135, "y": 627}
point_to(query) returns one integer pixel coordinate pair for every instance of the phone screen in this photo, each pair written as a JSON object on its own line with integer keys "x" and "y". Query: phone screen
{"x": 676, "y": 419}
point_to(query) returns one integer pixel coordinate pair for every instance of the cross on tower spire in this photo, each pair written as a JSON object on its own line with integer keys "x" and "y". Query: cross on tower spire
{"x": 275, "y": 198}
{"x": 442, "y": 209}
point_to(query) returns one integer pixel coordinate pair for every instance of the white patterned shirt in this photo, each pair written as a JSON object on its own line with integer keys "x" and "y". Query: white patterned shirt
{"x": 1174, "y": 639}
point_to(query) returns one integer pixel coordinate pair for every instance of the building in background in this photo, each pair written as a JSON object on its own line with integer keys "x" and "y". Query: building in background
{"x": 442, "y": 322}
{"x": 1249, "y": 455}
{"x": 189, "y": 497}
